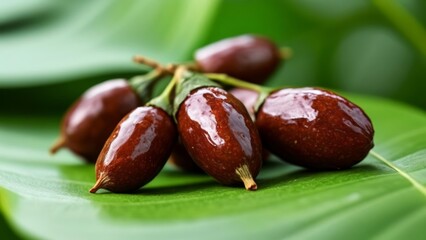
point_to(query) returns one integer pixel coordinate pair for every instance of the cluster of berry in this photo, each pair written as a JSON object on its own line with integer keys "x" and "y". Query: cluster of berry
{"x": 208, "y": 120}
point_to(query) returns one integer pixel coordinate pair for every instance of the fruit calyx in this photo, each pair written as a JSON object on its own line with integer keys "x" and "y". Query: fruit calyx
{"x": 163, "y": 101}
{"x": 58, "y": 144}
{"x": 186, "y": 82}
{"x": 102, "y": 180}
{"x": 143, "y": 84}
{"x": 244, "y": 173}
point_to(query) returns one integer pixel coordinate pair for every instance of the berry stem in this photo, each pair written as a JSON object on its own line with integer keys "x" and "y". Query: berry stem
{"x": 286, "y": 53}
{"x": 150, "y": 76}
{"x": 228, "y": 80}
{"x": 163, "y": 100}
{"x": 147, "y": 62}
{"x": 168, "y": 69}
{"x": 143, "y": 84}
{"x": 58, "y": 144}
{"x": 99, "y": 182}
{"x": 244, "y": 173}
{"x": 97, "y": 186}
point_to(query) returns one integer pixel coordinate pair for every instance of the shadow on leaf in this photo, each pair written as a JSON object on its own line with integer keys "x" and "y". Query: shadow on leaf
{"x": 303, "y": 175}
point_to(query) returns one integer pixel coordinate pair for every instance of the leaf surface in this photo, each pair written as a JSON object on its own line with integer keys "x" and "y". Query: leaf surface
{"x": 72, "y": 40}
{"x": 47, "y": 197}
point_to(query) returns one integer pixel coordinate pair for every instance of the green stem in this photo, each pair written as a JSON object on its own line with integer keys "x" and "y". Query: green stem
{"x": 228, "y": 80}
{"x": 141, "y": 79}
{"x": 143, "y": 84}
{"x": 286, "y": 53}
{"x": 163, "y": 100}
{"x": 404, "y": 22}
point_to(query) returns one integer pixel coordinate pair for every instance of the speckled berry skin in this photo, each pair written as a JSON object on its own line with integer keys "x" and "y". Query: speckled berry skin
{"x": 219, "y": 135}
{"x": 137, "y": 150}
{"x": 247, "y": 97}
{"x": 181, "y": 159}
{"x": 314, "y": 128}
{"x": 91, "y": 119}
{"x": 250, "y": 58}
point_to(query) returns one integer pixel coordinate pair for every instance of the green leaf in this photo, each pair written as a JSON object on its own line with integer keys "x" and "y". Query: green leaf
{"x": 75, "y": 40}
{"x": 47, "y": 197}
{"x": 187, "y": 83}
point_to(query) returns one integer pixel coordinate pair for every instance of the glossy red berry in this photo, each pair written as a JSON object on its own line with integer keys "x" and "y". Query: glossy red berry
{"x": 314, "y": 128}
{"x": 91, "y": 119}
{"x": 136, "y": 151}
{"x": 182, "y": 160}
{"x": 219, "y": 135}
{"x": 247, "y": 97}
{"x": 250, "y": 58}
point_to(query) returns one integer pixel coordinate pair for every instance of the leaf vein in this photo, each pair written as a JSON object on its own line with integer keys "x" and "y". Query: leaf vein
{"x": 416, "y": 184}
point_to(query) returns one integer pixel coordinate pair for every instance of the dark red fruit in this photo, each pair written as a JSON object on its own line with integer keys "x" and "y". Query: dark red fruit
{"x": 91, "y": 119}
{"x": 181, "y": 159}
{"x": 247, "y": 57}
{"x": 247, "y": 97}
{"x": 314, "y": 128}
{"x": 219, "y": 135}
{"x": 136, "y": 151}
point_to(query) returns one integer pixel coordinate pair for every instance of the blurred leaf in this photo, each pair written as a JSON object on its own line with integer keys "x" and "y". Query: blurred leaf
{"x": 50, "y": 51}
{"x": 366, "y": 57}
{"x": 47, "y": 197}
{"x": 12, "y": 12}
{"x": 6, "y": 231}
{"x": 100, "y": 37}
{"x": 48, "y": 43}
{"x": 347, "y": 45}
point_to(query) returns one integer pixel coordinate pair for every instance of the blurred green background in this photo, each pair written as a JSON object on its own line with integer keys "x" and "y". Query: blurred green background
{"x": 51, "y": 51}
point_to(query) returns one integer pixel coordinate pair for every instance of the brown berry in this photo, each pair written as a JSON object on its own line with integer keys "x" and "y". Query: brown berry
{"x": 314, "y": 128}
{"x": 247, "y": 57}
{"x": 136, "y": 151}
{"x": 248, "y": 98}
{"x": 91, "y": 119}
{"x": 219, "y": 135}
{"x": 182, "y": 160}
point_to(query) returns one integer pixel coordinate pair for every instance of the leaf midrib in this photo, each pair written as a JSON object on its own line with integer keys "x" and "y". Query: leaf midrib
{"x": 406, "y": 175}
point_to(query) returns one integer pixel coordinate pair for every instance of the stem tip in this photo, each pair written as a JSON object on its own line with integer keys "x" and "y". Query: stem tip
{"x": 250, "y": 184}
{"x": 58, "y": 144}
{"x": 286, "y": 53}
{"x": 244, "y": 173}
{"x": 99, "y": 184}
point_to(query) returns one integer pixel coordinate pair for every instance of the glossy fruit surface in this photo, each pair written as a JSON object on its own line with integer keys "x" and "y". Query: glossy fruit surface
{"x": 247, "y": 97}
{"x": 91, "y": 119}
{"x": 182, "y": 160}
{"x": 314, "y": 128}
{"x": 250, "y": 58}
{"x": 219, "y": 135}
{"x": 136, "y": 151}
